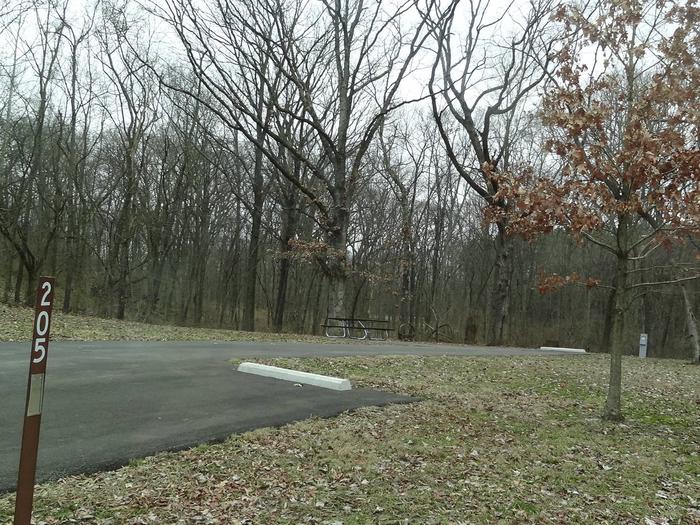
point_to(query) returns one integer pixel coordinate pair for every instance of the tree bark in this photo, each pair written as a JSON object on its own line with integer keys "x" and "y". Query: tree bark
{"x": 336, "y": 270}
{"x": 254, "y": 246}
{"x": 336, "y": 296}
{"x": 692, "y": 326}
{"x": 315, "y": 321}
{"x": 281, "y": 297}
{"x": 123, "y": 240}
{"x": 613, "y": 403}
{"x": 406, "y": 264}
{"x": 289, "y": 223}
{"x": 9, "y": 273}
{"x": 501, "y": 286}
{"x": 18, "y": 282}
{"x": 30, "y": 291}
{"x": 436, "y": 252}
{"x": 68, "y": 292}
{"x": 201, "y": 271}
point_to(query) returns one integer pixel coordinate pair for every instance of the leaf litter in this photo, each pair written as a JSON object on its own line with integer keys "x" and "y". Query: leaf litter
{"x": 494, "y": 440}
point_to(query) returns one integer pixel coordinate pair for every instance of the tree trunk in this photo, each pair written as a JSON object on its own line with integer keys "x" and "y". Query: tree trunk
{"x": 201, "y": 273}
{"x": 435, "y": 265}
{"x": 254, "y": 246}
{"x": 30, "y": 292}
{"x": 316, "y": 321}
{"x": 124, "y": 232}
{"x": 288, "y": 228}
{"x": 251, "y": 278}
{"x": 499, "y": 293}
{"x": 281, "y": 298}
{"x": 336, "y": 296}
{"x": 122, "y": 288}
{"x": 72, "y": 260}
{"x": 68, "y": 293}
{"x": 258, "y": 201}
{"x": 613, "y": 404}
{"x": 9, "y": 272}
{"x": 692, "y": 326}
{"x": 18, "y": 282}
{"x": 356, "y": 298}
{"x": 607, "y": 325}
{"x": 335, "y": 263}
{"x": 154, "y": 284}
{"x": 406, "y": 267}
{"x": 307, "y": 301}
{"x": 405, "y": 298}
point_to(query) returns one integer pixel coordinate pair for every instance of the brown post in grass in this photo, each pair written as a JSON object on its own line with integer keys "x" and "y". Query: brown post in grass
{"x": 35, "y": 399}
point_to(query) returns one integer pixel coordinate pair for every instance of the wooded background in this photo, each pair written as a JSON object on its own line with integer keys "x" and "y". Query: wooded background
{"x": 279, "y": 176}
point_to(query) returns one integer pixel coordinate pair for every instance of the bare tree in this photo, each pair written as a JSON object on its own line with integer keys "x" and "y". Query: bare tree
{"x": 343, "y": 61}
{"x": 403, "y": 159}
{"x": 133, "y": 113}
{"x": 74, "y": 144}
{"x": 31, "y": 191}
{"x": 478, "y": 85}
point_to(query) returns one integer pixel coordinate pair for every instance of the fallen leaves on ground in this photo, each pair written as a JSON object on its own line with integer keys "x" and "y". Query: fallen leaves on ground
{"x": 16, "y": 325}
{"x": 495, "y": 440}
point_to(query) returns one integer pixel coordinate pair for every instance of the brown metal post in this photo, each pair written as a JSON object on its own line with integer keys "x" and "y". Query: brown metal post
{"x": 35, "y": 399}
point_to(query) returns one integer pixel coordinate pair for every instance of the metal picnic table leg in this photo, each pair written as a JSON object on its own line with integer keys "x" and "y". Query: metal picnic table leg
{"x": 364, "y": 330}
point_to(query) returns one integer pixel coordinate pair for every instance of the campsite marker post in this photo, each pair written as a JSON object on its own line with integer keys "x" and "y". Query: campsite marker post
{"x": 35, "y": 400}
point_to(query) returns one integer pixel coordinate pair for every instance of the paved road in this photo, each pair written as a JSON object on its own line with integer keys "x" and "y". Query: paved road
{"x": 108, "y": 402}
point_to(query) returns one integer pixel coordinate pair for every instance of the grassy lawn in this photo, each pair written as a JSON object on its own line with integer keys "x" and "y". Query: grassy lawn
{"x": 495, "y": 440}
{"x": 16, "y": 325}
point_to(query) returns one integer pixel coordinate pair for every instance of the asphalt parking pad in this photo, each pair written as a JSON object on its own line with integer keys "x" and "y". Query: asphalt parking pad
{"x": 102, "y": 420}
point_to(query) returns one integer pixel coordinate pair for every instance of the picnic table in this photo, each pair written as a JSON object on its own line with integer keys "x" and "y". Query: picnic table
{"x": 355, "y": 328}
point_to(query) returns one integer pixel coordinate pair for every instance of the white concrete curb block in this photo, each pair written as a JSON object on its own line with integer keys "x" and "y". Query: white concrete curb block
{"x": 562, "y": 349}
{"x": 334, "y": 383}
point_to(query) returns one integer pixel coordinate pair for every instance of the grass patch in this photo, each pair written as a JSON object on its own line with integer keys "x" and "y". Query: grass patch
{"x": 496, "y": 440}
{"x": 16, "y": 325}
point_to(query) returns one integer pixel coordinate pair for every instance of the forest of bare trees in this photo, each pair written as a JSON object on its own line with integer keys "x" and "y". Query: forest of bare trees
{"x": 264, "y": 165}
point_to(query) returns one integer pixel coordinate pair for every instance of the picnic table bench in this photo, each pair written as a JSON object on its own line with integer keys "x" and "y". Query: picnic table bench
{"x": 354, "y": 328}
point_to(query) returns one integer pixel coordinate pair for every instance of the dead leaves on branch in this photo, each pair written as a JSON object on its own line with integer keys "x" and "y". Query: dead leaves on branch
{"x": 549, "y": 283}
{"x": 624, "y": 129}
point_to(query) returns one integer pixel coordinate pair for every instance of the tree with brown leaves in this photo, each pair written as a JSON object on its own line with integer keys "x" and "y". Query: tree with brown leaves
{"x": 623, "y": 119}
